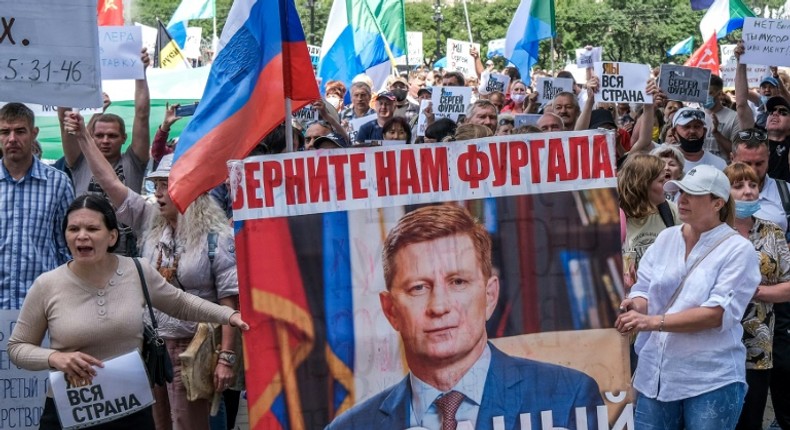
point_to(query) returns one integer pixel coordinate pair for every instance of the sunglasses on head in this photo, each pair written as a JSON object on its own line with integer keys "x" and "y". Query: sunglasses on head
{"x": 781, "y": 111}
{"x": 694, "y": 113}
{"x": 505, "y": 121}
{"x": 754, "y": 133}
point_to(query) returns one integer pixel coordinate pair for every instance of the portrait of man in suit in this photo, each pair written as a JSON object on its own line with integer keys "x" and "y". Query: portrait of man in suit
{"x": 440, "y": 291}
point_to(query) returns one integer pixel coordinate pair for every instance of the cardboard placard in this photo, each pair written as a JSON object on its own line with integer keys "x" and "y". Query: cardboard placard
{"x": 766, "y": 41}
{"x": 548, "y": 88}
{"x": 491, "y": 82}
{"x": 451, "y": 102}
{"x": 622, "y": 82}
{"x": 356, "y": 123}
{"x": 754, "y": 72}
{"x": 422, "y": 122}
{"x": 119, "y": 48}
{"x": 586, "y": 58}
{"x": 686, "y": 84}
{"x": 458, "y": 57}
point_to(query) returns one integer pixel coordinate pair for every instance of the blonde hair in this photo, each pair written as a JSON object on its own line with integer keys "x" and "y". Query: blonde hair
{"x": 633, "y": 184}
{"x": 472, "y": 131}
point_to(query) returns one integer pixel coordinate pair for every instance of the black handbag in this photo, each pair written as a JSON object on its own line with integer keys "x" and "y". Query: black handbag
{"x": 155, "y": 356}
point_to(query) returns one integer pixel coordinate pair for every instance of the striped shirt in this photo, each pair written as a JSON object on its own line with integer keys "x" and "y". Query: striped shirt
{"x": 31, "y": 238}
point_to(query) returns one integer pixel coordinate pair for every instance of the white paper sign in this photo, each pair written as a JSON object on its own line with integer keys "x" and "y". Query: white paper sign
{"x": 306, "y": 115}
{"x": 192, "y": 44}
{"x": 523, "y": 119}
{"x": 414, "y": 43}
{"x": 355, "y": 124}
{"x": 496, "y": 48}
{"x": 22, "y": 392}
{"x": 622, "y": 82}
{"x": 585, "y": 58}
{"x": 422, "y": 121}
{"x": 450, "y": 102}
{"x": 315, "y": 54}
{"x": 50, "y": 53}
{"x": 119, "y": 48}
{"x": 754, "y": 72}
{"x": 766, "y": 41}
{"x": 548, "y": 88}
{"x": 120, "y": 388}
{"x": 491, "y": 82}
{"x": 458, "y": 57}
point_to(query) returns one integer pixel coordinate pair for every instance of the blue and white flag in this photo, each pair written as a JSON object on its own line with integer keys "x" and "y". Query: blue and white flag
{"x": 682, "y": 48}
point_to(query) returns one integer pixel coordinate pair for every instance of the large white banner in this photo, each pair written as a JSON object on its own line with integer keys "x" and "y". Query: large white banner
{"x": 49, "y": 52}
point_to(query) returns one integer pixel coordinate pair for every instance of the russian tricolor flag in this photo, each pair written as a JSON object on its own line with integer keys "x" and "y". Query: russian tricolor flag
{"x": 262, "y": 55}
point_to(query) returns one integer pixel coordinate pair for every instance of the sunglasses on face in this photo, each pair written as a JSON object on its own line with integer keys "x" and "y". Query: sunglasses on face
{"x": 757, "y": 134}
{"x": 780, "y": 111}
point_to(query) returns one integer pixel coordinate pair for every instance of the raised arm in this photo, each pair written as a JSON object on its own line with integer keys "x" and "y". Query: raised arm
{"x": 102, "y": 170}
{"x": 745, "y": 114}
{"x": 583, "y": 122}
{"x": 141, "y": 137}
{"x": 71, "y": 149}
{"x": 644, "y": 125}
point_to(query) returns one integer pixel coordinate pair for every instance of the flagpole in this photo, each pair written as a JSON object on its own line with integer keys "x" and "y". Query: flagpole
{"x": 289, "y": 128}
{"x": 468, "y": 25}
{"x": 551, "y": 54}
{"x": 214, "y": 36}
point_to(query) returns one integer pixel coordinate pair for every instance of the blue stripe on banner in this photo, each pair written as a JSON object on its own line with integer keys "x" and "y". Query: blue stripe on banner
{"x": 338, "y": 294}
{"x": 280, "y": 411}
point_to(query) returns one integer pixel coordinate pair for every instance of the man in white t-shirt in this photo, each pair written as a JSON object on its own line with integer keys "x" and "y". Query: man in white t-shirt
{"x": 722, "y": 123}
{"x": 689, "y": 126}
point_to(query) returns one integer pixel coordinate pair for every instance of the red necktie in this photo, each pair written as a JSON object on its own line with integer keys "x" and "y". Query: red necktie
{"x": 448, "y": 405}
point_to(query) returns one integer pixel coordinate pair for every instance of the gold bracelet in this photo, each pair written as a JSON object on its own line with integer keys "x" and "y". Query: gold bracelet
{"x": 661, "y": 324}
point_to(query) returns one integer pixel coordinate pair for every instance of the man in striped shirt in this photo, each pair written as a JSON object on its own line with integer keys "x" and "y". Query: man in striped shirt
{"x": 33, "y": 202}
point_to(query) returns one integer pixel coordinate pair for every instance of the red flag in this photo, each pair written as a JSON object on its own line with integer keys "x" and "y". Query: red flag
{"x": 110, "y": 12}
{"x": 273, "y": 301}
{"x": 706, "y": 57}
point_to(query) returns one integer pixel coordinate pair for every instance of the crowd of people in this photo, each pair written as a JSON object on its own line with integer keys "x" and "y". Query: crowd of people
{"x": 704, "y": 215}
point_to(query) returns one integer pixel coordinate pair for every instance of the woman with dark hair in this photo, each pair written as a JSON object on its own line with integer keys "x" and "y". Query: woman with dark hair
{"x": 692, "y": 288}
{"x": 439, "y": 130}
{"x": 93, "y": 308}
{"x": 397, "y": 128}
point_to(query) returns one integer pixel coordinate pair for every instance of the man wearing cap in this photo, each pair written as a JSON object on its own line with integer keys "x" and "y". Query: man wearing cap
{"x": 385, "y": 109}
{"x": 689, "y": 127}
{"x": 403, "y": 107}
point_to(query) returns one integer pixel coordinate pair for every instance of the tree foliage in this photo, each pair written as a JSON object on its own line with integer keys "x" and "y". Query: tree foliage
{"x": 628, "y": 30}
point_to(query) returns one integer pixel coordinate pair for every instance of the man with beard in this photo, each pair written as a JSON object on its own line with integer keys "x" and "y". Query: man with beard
{"x": 689, "y": 127}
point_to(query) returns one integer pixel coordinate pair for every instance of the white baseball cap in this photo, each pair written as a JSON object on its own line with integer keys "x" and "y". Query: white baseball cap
{"x": 163, "y": 169}
{"x": 685, "y": 115}
{"x": 701, "y": 180}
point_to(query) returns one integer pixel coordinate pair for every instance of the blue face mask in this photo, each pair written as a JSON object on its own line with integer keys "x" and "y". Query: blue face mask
{"x": 709, "y": 102}
{"x": 764, "y": 99}
{"x": 745, "y": 209}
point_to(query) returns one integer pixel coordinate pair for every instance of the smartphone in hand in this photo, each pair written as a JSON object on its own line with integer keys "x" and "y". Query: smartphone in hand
{"x": 186, "y": 110}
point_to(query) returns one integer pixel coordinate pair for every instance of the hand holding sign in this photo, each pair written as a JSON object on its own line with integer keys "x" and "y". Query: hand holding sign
{"x": 77, "y": 366}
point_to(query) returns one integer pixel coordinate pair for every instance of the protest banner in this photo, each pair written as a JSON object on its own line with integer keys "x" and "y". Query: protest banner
{"x": 306, "y": 115}
{"x": 119, "y": 388}
{"x": 686, "y": 84}
{"x": 50, "y": 53}
{"x": 766, "y": 42}
{"x": 315, "y": 54}
{"x": 588, "y": 56}
{"x": 491, "y": 82}
{"x": 451, "y": 102}
{"x": 622, "y": 82}
{"x": 22, "y": 392}
{"x": 119, "y": 48}
{"x": 192, "y": 44}
{"x": 523, "y": 119}
{"x": 414, "y": 43}
{"x": 548, "y": 88}
{"x": 356, "y": 123}
{"x": 754, "y": 72}
{"x": 549, "y": 209}
{"x": 459, "y": 58}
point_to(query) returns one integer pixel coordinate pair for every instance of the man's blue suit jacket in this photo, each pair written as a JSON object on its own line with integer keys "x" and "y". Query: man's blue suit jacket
{"x": 513, "y": 386}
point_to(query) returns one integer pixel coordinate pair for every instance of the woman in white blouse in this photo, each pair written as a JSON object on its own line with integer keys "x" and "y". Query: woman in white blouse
{"x": 692, "y": 288}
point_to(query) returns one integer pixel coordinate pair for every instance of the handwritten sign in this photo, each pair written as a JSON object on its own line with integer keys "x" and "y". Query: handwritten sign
{"x": 49, "y": 54}
{"x": 459, "y": 58}
{"x": 315, "y": 54}
{"x": 491, "y": 82}
{"x": 119, "y": 48}
{"x": 22, "y": 392}
{"x": 766, "y": 41}
{"x": 414, "y": 44}
{"x": 192, "y": 44}
{"x": 451, "y": 102}
{"x": 586, "y": 58}
{"x": 548, "y": 88}
{"x": 754, "y": 72}
{"x": 687, "y": 84}
{"x": 120, "y": 388}
{"x": 622, "y": 82}
{"x": 364, "y": 178}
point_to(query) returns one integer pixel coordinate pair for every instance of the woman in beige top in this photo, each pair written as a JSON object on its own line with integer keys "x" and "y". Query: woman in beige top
{"x": 93, "y": 307}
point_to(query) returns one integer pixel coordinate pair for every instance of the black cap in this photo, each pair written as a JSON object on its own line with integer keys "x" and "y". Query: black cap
{"x": 773, "y": 102}
{"x": 423, "y": 90}
{"x": 331, "y": 140}
{"x": 601, "y": 117}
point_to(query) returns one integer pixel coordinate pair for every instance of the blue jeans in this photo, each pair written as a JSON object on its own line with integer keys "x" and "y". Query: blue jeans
{"x": 715, "y": 410}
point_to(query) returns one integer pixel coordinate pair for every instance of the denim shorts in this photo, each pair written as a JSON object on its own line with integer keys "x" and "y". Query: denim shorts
{"x": 715, "y": 410}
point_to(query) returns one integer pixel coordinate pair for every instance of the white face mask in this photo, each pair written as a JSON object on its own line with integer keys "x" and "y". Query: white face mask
{"x": 334, "y": 101}
{"x": 518, "y": 98}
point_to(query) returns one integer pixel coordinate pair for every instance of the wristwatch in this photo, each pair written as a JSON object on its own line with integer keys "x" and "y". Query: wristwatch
{"x": 230, "y": 357}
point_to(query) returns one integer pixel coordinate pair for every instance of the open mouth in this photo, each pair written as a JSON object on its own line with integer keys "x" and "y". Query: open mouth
{"x": 84, "y": 249}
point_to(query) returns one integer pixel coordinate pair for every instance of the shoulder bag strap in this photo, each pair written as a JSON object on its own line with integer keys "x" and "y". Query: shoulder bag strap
{"x": 784, "y": 195}
{"x": 666, "y": 214}
{"x": 696, "y": 263}
{"x": 145, "y": 292}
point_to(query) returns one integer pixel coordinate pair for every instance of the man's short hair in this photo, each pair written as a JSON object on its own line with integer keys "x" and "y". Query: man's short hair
{"x": 480, "y": 104}
{"x": 16, "y": 111}
{"x": 716, "y": 81}
{"x": 361, "y": 85}
{"x": 457, "y": 75}
{"x": 109, "y": 117}
{"x": 751, "y": 142}
{"x": 435, "y": 222}
{"x": 567, "y": 94}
